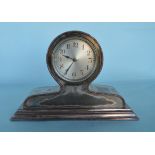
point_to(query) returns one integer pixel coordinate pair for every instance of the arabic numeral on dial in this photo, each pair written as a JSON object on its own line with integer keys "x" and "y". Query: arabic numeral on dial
{"x": 88, "y": 53}
{"x": 83, "y": 47}
{"x": 90, "y": 60}
{"x": 81, "y": 72}
{"x": 87, "y": 67}
{"x": 74, "y": 74}
{"x": 62, "y": 51}
{"x": 68, "y": 46}
{"x": 61, "y": 66}
{"x": 75, "y": 45}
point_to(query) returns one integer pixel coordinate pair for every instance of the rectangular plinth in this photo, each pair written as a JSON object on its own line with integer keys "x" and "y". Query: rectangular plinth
{"x": 76, "y": 114}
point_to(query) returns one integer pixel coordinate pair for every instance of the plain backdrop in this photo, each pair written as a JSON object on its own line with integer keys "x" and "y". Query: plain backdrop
{"x": 129, "y": 54}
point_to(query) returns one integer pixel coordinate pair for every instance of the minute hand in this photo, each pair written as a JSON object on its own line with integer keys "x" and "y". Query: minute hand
{"x": 69, "y": 67}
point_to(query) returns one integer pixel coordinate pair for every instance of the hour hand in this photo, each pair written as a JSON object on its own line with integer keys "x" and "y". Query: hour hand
{"x": 66, "y": 56}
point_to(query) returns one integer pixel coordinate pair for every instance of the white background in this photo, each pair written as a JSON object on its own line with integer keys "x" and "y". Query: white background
{"x": 77, "y": 143}
{"x": 77, "y": 10}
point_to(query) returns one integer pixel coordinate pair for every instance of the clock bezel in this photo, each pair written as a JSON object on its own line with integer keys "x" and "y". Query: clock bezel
{"x": 82, "y": 36}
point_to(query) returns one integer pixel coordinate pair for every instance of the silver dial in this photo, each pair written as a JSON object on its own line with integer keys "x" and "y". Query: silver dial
{"x": 74, "y": 60}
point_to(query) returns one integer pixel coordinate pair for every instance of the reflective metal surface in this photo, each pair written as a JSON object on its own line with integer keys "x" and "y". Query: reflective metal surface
{"x": 100, "y": 102}
{"x": 75, "y": 98}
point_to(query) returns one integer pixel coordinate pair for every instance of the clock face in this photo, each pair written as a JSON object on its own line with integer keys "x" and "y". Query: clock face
{"x": 74, "y": 59}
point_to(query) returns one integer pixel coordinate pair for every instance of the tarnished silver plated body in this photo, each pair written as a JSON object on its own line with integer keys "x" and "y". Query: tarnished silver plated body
{"x": 49, "y": 103}
{"x": 75, "y": 99}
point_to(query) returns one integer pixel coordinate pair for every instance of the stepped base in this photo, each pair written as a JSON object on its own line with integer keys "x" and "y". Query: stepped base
{"x": 42, "y": 105}
{"x": 80, "y": 114}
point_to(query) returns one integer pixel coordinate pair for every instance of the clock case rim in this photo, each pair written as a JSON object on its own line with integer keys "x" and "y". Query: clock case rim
{"x": 93, "y": 44}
